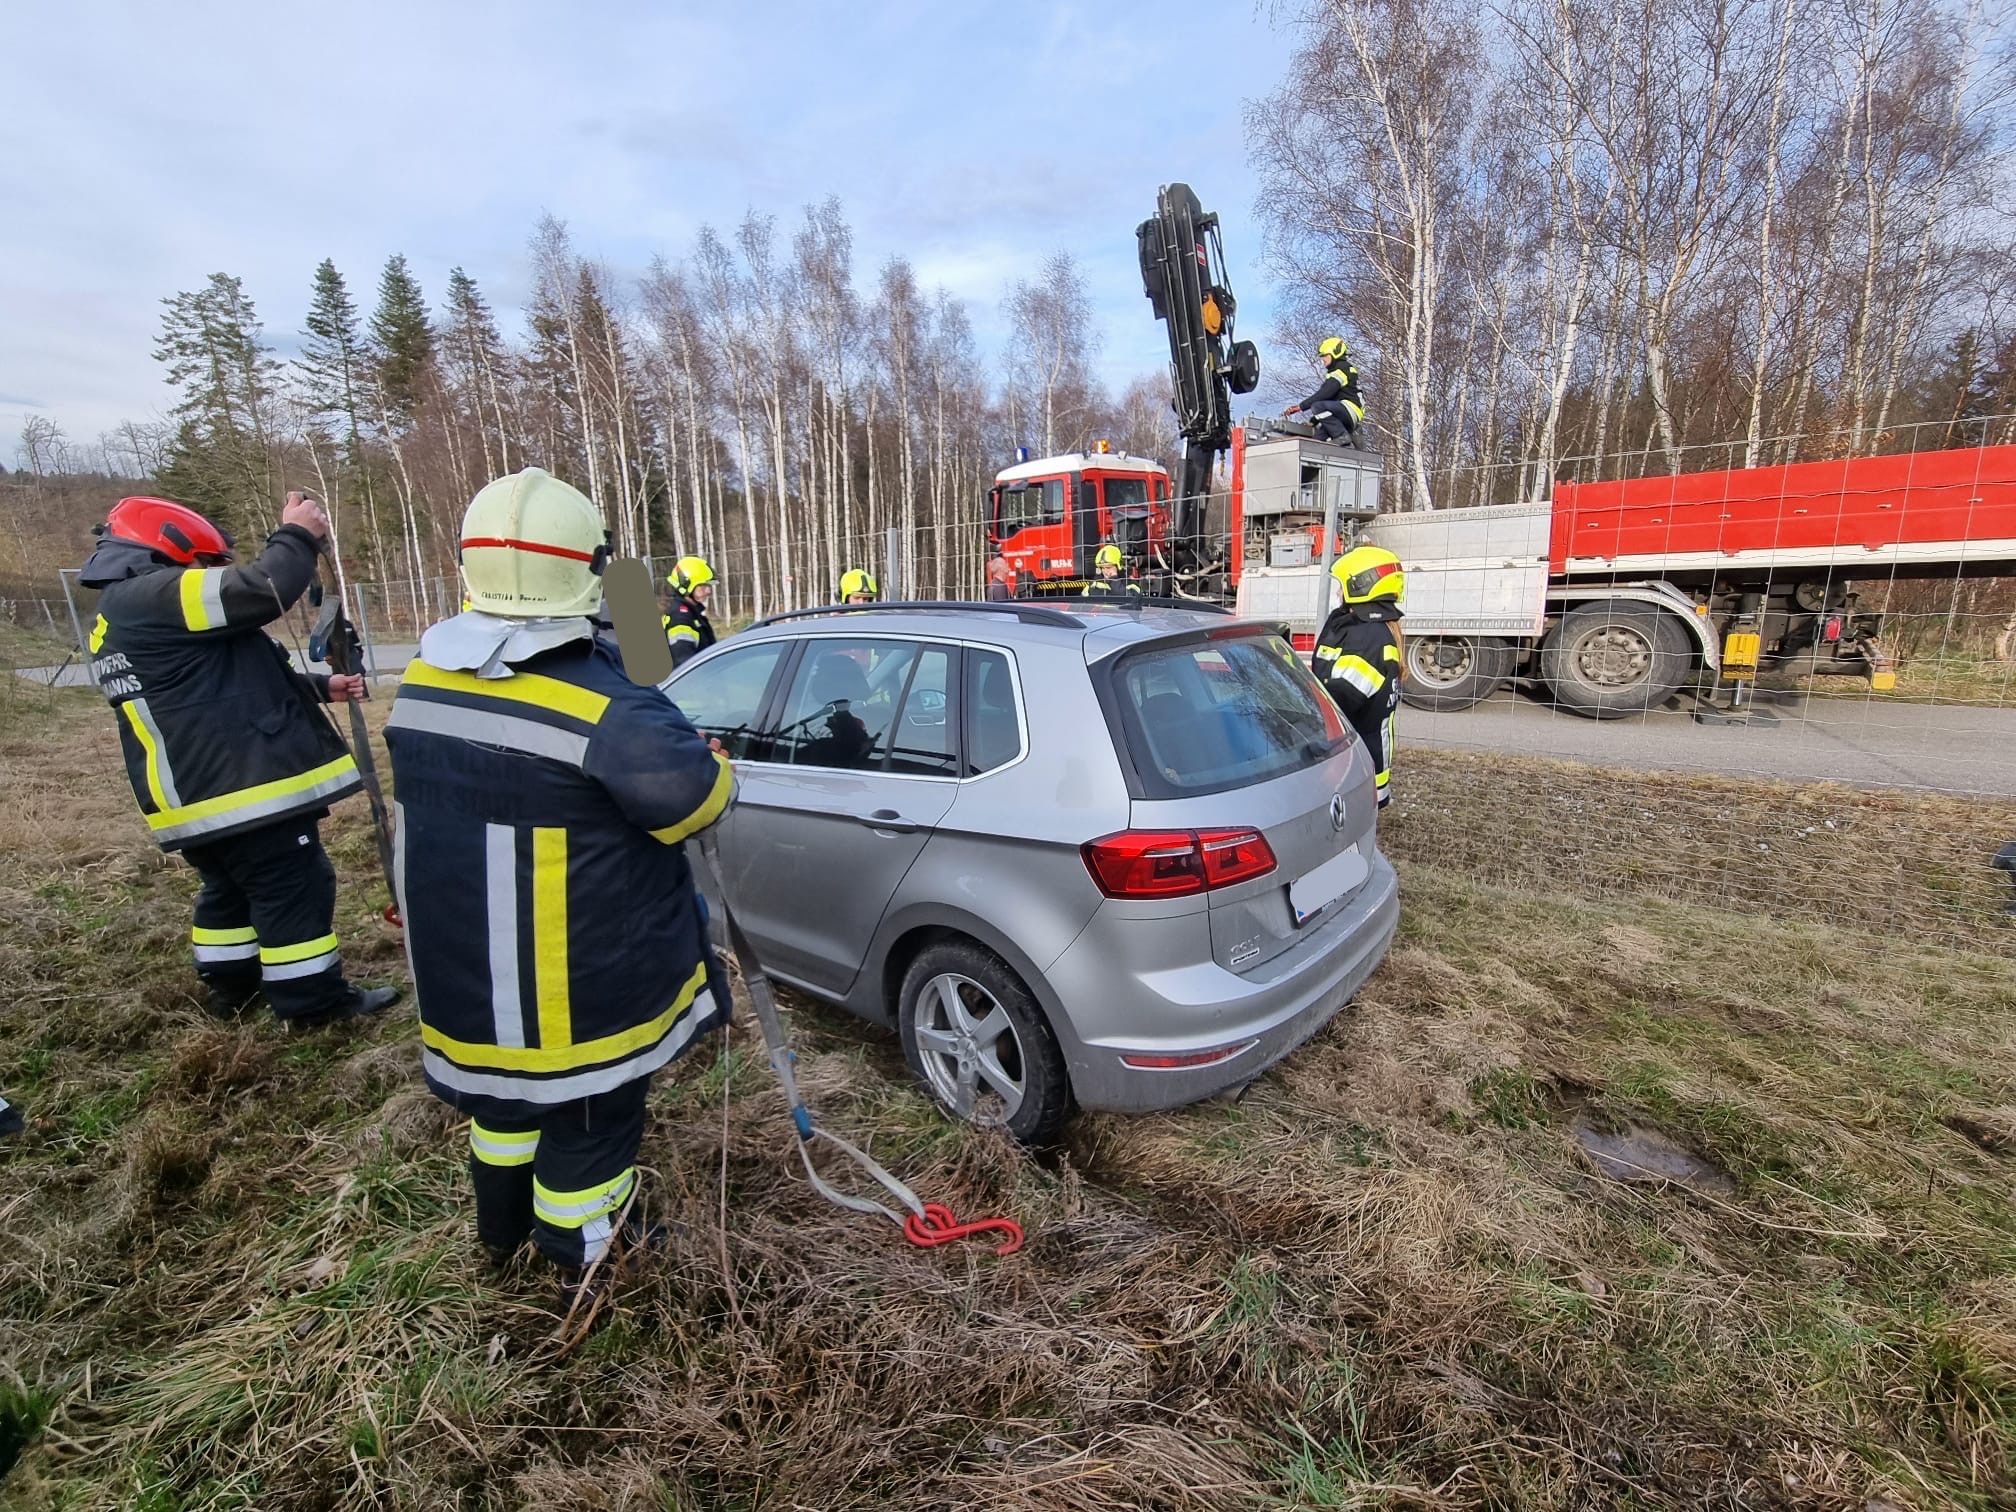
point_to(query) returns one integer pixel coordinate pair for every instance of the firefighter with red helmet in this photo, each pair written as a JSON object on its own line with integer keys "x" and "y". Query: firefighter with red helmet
{"x": 1357, "y": 655}
{"x": 232, "y": 760}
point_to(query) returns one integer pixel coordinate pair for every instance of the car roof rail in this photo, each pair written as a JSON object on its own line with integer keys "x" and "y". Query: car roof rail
{"x": 1028, "y": 614}
{"x": 1163, "y": 601}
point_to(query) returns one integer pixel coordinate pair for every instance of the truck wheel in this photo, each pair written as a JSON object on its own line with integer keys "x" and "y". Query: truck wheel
{"x": 977, "y": 1039}
{"x": 1607, "y": 660}
{"x": 1454, "y": 671}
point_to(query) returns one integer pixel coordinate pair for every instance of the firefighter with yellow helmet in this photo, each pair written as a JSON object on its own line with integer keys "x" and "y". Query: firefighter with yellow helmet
{"x": 858, "y": 586}
{"x": 1336, "y": 409}
{"x": 558, "y": 946}
{"x": 1111, "y": 583}
{"x": 686, "y": 624}
{"x": 1358, "y": 652}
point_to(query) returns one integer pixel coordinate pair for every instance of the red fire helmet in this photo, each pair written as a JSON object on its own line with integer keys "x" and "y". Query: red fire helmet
{"x": 161, "y": 525}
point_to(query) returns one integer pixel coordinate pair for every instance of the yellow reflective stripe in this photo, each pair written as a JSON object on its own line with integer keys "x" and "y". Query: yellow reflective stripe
{"x": 709, "y": 810}
{"x": 572, "y": 1057}
{"x": 522, "y": 687}
{"x": 1390, "y": 653}
{"x": 282, "y": 955}
{"x": 153, "y": 753}
{"x": 549, "y": 937}
{"x": 201, "y": 936}
{"x": 683, "y": 632}
{"x": 203, "y": 597}
{"x": 224, "y": 803}
{"x": 98, "y": 634}
{"x": 496, "y": 1147}
{"x": 1380, "y": 779}
{"x": 1360, "y": 673}
{"x": 574, "y": 1209}
{"x": 1329, "y": 653}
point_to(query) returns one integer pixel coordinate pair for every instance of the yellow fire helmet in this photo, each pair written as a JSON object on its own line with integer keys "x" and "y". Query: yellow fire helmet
{"x": 688, "y": 573}
{"x": 532, "y": 545}
{"x": 858, "y": 580}
{"x": 1108, "y": 556}
{"x": 1332, "y": 348}
{"x": 1366, "y": 573}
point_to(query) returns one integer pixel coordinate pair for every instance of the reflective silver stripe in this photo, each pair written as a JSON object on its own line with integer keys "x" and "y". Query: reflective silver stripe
{"x": 399, "y": 859}
{"x": 594, "y": 1239}
{"x": 503, "y": 1149}
{"x": 560, "y": 1089}
{"x": 162, "y": 771}
{"x": 346, "y": 781}
{"x": 488, "y": 728}
{"x": 1348, "y": 673}
{"x": 594, "y": 1207}
{"x": 500, "y": 871}
{"x": 213, "y": 597}
{"x": 228, "y": 952}
{"x": 288, "y": 971}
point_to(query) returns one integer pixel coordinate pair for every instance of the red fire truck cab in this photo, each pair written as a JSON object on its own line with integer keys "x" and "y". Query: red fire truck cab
{"x": 1049, "y": 516}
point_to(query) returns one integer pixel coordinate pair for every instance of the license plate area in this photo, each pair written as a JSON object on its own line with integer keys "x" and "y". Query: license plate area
{"x": 1314, "y": 891}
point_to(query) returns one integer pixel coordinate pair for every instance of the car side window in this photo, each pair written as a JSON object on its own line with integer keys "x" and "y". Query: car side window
{"x": 924, "y": 744}
{"x": 841, "y": 710}
{"x": 723, "y": 695}
{"x": 993, "y": 727}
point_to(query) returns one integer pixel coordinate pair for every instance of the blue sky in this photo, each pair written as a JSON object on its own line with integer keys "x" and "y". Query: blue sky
{"x": 144, "y": 146}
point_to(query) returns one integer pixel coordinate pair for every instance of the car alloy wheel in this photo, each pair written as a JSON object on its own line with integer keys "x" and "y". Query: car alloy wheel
{"x": 968, "y": 1049}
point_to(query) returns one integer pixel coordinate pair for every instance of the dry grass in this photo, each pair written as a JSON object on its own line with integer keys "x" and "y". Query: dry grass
{"x": 238, "y": 1272}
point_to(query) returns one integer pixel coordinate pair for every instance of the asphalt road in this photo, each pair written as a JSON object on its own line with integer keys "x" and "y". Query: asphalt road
{"x": 1866, "y": 741}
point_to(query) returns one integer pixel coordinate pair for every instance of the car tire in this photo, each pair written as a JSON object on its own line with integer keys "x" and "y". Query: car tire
{"x": 1615, "y": 658}
{"x": 977, "y": 1057}
{"x": 1479, "y": 667}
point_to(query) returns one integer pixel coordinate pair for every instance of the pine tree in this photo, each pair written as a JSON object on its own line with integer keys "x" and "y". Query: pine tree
{"x": 221, "y": 456}
{"x": 474, "y": 353}
{"x": 402, "y": 340}
{"x": 333, "y": 370}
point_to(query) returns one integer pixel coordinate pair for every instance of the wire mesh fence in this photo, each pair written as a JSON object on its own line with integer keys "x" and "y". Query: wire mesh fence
{"x": 1789, "y": 689}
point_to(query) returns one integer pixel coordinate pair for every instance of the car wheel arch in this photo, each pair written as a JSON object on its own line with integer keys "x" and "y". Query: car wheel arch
{"x": 904, "y": 937}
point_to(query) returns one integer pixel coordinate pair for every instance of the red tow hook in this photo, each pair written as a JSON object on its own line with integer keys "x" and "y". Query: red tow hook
{"x": 938, "y": 1226}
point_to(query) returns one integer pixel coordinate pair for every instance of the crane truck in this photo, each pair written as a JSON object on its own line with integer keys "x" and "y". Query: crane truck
{"x": 1614, "y": 594}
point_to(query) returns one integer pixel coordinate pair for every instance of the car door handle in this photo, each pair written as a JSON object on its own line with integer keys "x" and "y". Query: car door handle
{"x": 890, "y": 820}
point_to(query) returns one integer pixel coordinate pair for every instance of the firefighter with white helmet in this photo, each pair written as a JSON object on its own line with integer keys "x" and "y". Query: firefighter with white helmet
{"x": 1110, "y": 583}
{"x": 686, "y": 624}
{"x": 1358, "y": 652}
{"x": 1336, "y": 408}
{"x": 558, "y": 946}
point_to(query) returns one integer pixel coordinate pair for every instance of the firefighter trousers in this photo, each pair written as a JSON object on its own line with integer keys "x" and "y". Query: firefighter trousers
{"x": 558, "y": 1175}
{"x": 1336, "y": 425}
{"x": 266, "y": 919}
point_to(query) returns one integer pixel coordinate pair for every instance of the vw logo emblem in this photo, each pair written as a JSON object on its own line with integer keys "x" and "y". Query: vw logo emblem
{"x": 1337, "y": 811}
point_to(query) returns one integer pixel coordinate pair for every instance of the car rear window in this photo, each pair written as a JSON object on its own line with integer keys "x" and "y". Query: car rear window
{"x": 1202, "y": 717}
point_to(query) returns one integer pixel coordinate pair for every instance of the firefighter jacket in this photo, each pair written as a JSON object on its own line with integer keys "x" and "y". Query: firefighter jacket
{"x": 557, "y": 943}
{"x": 219, "y": 733}
{"x": 688, "y": 629}
{"x": 1338, "y": 391}
{"x": 1112, "y": 588}
{"x": 1358, "y": 659}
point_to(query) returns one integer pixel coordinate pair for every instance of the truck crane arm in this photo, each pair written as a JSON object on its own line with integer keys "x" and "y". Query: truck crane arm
{"x": 1183, "y": 274}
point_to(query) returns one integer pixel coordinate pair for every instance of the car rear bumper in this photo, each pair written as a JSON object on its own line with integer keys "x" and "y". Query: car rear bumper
{"x": 1217, "y": 1008}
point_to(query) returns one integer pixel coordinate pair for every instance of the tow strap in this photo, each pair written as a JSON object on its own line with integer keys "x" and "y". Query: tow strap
{"x": 927, "y": 1224}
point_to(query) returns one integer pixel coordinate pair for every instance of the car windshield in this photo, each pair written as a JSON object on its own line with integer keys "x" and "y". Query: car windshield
{"x": 1203, "y": 717}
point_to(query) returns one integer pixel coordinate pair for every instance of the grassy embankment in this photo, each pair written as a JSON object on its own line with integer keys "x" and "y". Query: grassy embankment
{"x": 237, "y": 1271}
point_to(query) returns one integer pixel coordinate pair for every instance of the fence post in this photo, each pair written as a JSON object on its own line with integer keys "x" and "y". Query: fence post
{"x": 892, "y": 565}
{"x": 63, "y": 576}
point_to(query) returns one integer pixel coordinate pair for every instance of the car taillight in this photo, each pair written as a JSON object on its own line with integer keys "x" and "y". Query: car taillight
{"x": 1175, "y": 863}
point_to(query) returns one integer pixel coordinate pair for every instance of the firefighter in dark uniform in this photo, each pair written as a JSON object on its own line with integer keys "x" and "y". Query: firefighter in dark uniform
{"x": 1110, "y": 584}
{"x": 858, "y": 586}
{"x": 1335, "y": 407}
{"x": 231, "y": 759}
{"x": 558, "y": 945}
{"x": 686, "y": 624}
{"x": 1358, "y": 652}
